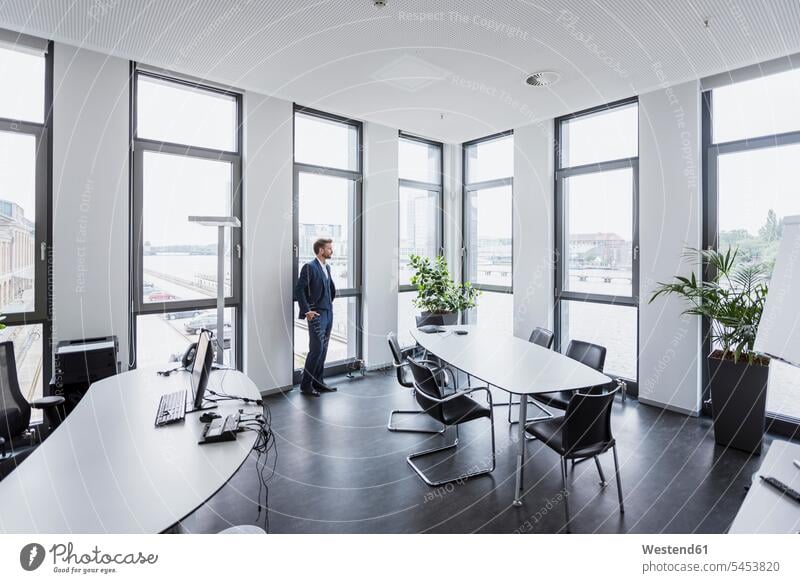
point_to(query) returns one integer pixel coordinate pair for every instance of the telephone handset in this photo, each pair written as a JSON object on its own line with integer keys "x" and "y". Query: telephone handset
{"x": 188, "y": 357}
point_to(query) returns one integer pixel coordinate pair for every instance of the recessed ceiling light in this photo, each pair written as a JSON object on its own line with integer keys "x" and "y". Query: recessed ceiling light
{"x": 542, "y": 78}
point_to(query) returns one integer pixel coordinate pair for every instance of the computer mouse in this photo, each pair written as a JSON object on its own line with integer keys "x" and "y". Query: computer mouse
{"x": 462, "y": 332}
{"x": 206, "y": 417}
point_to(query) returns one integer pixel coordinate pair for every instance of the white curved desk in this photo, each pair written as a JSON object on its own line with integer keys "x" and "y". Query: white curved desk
{"x": 512, "y": 365}
{"x": 108, "y": 469}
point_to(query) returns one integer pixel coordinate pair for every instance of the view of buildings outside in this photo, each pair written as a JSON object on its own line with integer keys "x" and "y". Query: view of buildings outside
{"x": 18, "y": 257}
{"x": 602, "y": 263}
{"x": 418, "y": 227}
{"x": 180, "y": 258}
{"x": 172, "y": 274}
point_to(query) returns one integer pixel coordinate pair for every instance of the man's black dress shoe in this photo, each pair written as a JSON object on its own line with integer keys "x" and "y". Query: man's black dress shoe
{"x": 309, "y": 392}
{"x": 325, "y": 388}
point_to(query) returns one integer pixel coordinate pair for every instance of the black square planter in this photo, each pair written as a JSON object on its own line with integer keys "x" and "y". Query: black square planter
{"x": 738, "y": 402}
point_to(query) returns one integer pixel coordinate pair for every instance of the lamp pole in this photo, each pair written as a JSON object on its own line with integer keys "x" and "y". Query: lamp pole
{"x": 220, "y": 223}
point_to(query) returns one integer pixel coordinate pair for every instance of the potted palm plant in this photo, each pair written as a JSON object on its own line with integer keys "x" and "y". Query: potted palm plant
{"x": 732, "y": 300}
{"x": 437, "y": 293}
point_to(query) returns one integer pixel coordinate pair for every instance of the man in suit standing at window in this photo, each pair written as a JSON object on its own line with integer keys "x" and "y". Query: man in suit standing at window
{"x": 315, "y": 293}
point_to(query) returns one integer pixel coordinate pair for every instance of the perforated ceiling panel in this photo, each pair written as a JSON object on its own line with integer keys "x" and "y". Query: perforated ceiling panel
{"x": 452, "y": 70}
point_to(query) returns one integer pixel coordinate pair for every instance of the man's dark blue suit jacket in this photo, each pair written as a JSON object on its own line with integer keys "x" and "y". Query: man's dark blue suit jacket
{"x": 311, "y": 291}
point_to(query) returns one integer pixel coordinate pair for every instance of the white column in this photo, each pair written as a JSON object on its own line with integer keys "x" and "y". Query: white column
{"x": 670, "y": 219}
{"x": 267, "y": 242}
{"x": 533, "y": 228}
{"x": 90, "y": 195}
{"x": 380, "y": 220}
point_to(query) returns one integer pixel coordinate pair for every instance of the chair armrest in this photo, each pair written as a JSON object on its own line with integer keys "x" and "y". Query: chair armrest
{"x": 409, "y": 350}
{"x": 462, "y": 393}
{"x": 47, "y": 402}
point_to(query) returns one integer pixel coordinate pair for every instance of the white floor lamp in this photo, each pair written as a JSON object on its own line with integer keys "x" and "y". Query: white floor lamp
{"x": 221, "y": 223}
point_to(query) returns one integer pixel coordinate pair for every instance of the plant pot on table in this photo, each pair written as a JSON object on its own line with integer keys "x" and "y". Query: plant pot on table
{"x": 437, "y": 319}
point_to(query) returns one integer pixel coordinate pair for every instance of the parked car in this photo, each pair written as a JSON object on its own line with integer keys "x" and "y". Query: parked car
{"x": 182, "y": 315}
{"x": 207, "y": 321}
{"x": 161, "y": 296}
{"x": 148, "y": 287}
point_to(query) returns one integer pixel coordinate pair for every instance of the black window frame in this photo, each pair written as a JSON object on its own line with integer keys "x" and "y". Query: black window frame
{"x": 138, "y": 307}
{"x": 357, "y": 176}
{"x": 404, "y": 288}
{"x": 562, "y": 255}
{"x": 467, "y": 188}
{"x": 430, "y": 187}
{"x": 42, "y": 314}
{"x": 711, "y": 151}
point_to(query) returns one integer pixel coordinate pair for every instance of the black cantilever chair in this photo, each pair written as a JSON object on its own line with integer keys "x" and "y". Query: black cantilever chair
{"x": 15, "y": 410}
{"x": 583, "y": 432}
{"x": 544, "y": 338}
{"x": 449, "y": 410}
{"x": 400, "y": 362}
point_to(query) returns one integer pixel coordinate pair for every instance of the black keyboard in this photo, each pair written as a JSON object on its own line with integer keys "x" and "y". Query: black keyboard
{"x": 782, "y": 488}
{"x": 171, "y": 408}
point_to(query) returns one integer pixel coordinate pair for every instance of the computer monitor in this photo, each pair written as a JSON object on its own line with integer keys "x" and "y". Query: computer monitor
{"x": 201, "y": 368}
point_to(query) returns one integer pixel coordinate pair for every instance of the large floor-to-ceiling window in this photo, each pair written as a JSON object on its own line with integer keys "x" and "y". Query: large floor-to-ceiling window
{"x": 25, "y": 106}
{"x": 186, "y": 161}
{"x": 420, "y": 218}
{"x": 488, "y": 229}
{"x": 327, "y": 203}
{"x": 597, "y": 279}
{"x": 751, "y": 139}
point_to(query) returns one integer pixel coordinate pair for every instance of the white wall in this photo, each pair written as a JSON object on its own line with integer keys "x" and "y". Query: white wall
{"x": 670, "y": 219}
{"x": 381, "y": 232}
{"x": 533, "y": 228}
{"x": 90, "y": 196}
{"x": 267, "y": 241}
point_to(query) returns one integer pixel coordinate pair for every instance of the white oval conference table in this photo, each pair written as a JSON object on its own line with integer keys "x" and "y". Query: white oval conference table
{"x": 512, "y": 365}
{"x": 108, "y": 469}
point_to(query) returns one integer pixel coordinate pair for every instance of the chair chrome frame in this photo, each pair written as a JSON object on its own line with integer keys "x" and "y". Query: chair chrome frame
{"x": 439, "y": 368}
{"x": 603, "y": 482}
{"x": 547, "y": 414}
{"x": 462, "y": 393}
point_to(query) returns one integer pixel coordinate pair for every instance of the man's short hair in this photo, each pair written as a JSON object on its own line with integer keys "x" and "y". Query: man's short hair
{"x": 320, "y": 243}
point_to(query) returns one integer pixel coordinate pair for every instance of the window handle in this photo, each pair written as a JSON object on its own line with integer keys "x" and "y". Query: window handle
{"x": 43, "y": 251}
{"x": 238, "y": 250}
{"x": 636, "y": 253}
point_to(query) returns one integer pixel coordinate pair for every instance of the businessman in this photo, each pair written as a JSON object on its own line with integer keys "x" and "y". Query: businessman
{"x": 315, "y": 293}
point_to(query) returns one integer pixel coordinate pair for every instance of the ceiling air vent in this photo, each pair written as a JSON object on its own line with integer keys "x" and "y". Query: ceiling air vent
{"x": 542, "y": 78}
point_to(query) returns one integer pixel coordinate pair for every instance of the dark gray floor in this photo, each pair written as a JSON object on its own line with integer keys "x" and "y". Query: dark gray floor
{"x": 340, "y": 470}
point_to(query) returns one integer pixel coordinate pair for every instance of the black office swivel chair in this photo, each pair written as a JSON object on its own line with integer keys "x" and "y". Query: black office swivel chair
{"x": 583, "y": 432}
{"x": 15, "y": 411}
{"x": 400, "y": 361}
{"x": 449, "y": 410}
{"x": 544, "y": 338}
